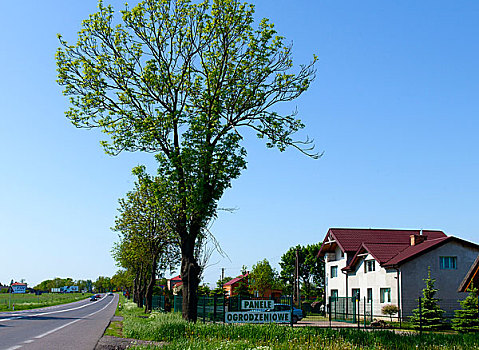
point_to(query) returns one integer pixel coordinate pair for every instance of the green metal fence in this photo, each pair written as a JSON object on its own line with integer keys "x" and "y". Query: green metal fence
{"x": 350, "y": 309}
{"x": 210, "y": 308}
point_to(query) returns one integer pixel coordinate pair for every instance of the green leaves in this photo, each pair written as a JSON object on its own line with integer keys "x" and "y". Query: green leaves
{"x": 181, "y": 80}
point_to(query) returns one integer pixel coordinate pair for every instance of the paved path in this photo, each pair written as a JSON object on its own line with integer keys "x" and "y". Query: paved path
{"x": 76, "y": 326}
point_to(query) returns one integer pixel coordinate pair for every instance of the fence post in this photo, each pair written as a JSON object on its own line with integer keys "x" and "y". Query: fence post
{"x": 371, "y": 319}
{"x": 420, "y": 316}
{"x": 328, "y": 310}
{"x": 291, "y": 311}
{"x": 358, "y": 303}
{"x": 214, "y": 308}
{"x": 204, "y": 307}
{"x": 364, "y": 312}
{"x": 224, "y": 308}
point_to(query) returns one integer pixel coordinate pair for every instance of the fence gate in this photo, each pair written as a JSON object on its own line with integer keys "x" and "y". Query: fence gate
{"x": 343, "y": 309}
{"x": 350, "y": 309}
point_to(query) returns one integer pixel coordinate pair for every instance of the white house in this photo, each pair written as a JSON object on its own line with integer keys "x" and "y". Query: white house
{"x": 386, "y": 266}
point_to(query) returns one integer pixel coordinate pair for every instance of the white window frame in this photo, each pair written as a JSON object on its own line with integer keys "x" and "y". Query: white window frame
{"x": 335, "y": 269}
{"x": 385, "y": 295}
{"x": 369, "y": 265}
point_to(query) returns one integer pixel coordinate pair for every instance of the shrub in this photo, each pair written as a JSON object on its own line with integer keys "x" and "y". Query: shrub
{"x": 390, "y": 310}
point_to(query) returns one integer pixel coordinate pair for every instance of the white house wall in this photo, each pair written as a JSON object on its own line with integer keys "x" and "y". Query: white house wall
{"x": 338, "y": 283}
{"x": 380, "y": 278}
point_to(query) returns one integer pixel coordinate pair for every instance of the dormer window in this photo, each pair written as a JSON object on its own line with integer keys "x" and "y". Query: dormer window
{"x": 369, "y": 266}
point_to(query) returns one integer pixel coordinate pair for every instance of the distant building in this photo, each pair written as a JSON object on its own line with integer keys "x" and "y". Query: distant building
{"x": 18, "y": 288}
{"x": 173, "y": 281}
{"x": 177, "y": 288}
{"x": 231, "y": 286}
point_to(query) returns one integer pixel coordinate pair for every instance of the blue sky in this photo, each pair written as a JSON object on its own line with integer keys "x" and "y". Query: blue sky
{"x": 394, "y": 107}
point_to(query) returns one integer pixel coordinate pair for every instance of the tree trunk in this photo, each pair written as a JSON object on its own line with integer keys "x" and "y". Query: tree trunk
{"x": 135, "y": 288}
{"x": 190, "y": 271}
{"x": 151, "y": 284}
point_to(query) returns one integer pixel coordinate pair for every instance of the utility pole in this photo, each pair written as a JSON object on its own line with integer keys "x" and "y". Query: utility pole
{"x": 297, "y": 280}
{"x": 222, "y": 274}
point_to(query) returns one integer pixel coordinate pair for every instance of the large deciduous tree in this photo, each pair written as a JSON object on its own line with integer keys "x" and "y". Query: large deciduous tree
{"x": 180, "y": 79}
{"x": 310, "y": 268}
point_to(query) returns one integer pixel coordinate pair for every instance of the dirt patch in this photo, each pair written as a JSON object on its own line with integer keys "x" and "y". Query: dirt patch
{"x": 108, "y": 342}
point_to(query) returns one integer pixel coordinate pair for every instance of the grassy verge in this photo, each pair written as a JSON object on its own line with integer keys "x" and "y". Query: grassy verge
{"x": 32, "y": 301}
{"x": 179, "y": 334}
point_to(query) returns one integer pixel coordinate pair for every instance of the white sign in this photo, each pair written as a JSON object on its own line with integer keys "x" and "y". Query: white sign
{"x": 257, "y": 304}
{"x": 258, "y": 317}
{"x": 19, "y": 288}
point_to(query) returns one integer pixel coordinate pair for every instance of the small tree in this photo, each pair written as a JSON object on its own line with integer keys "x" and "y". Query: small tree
{"x": 262, "y": 277}
{"x": 467, "y": 320}
{"x": 390, "y": 310}
{"x": 429, "y": 315}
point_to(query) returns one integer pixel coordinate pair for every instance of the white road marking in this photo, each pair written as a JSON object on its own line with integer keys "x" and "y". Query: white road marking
{"x": 70, "y": 323}
{"x": 47, "y": 313}
{"x": 14, "y": 347}
{"x": 56, "y": 329}
{"x": 28, "y": 341}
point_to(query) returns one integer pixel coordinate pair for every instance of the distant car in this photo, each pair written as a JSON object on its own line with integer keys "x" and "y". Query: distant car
{"x": 98, "y": 296}
{"x": 297, "y": 313}
{"x": 93, "y": 298}
{"x": 110, "y": 294}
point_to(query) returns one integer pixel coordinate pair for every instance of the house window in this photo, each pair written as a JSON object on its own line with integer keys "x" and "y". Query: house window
{"x": 370, "y": 295}
{"x": 356, "y": 293}
{"x": 369, "y": 266}
{"x": 385, "y": 295}
{"x": 334, "y": 271}
{"x": 448, "y": 262}
{"x": 334, "y": 293}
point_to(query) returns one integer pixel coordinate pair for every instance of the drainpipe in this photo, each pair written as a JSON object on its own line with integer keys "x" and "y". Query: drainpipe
{"x": 399, "y": 295}
{"x": 346, "y": 273}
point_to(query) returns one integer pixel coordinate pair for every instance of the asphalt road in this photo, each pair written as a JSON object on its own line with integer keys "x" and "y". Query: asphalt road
{"x": 76, "y": 326}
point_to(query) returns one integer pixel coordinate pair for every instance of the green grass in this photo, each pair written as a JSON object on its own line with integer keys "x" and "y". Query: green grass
{"x": 178, "y": 334}
{"x": 32, "y": 301}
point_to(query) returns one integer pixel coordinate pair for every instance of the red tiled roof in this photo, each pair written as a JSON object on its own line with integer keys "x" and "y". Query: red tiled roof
{"x": 413, "y": 250}
{"x": 177, "y": 278}
{"x": 236, "y": 279}
{"x": 351, "y": 239}
{"x": 381, "y": 252}
{"x": 18, "y": 284}
{"x": 390, "y": 255}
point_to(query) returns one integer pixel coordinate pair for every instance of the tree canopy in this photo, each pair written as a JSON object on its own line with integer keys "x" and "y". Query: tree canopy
{"x": 263, "y": 277}
{"x": 181, "y": 79}
{"x": 311, "y": 269}
{"x": 148, "y": 244}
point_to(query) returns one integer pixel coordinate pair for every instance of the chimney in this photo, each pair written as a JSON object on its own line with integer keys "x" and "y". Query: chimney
{"x": 416, "y": 239}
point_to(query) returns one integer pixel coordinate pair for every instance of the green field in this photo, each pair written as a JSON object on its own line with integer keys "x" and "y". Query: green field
{"x": 178, "y": 334}
{"x": 32, "y": 301}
